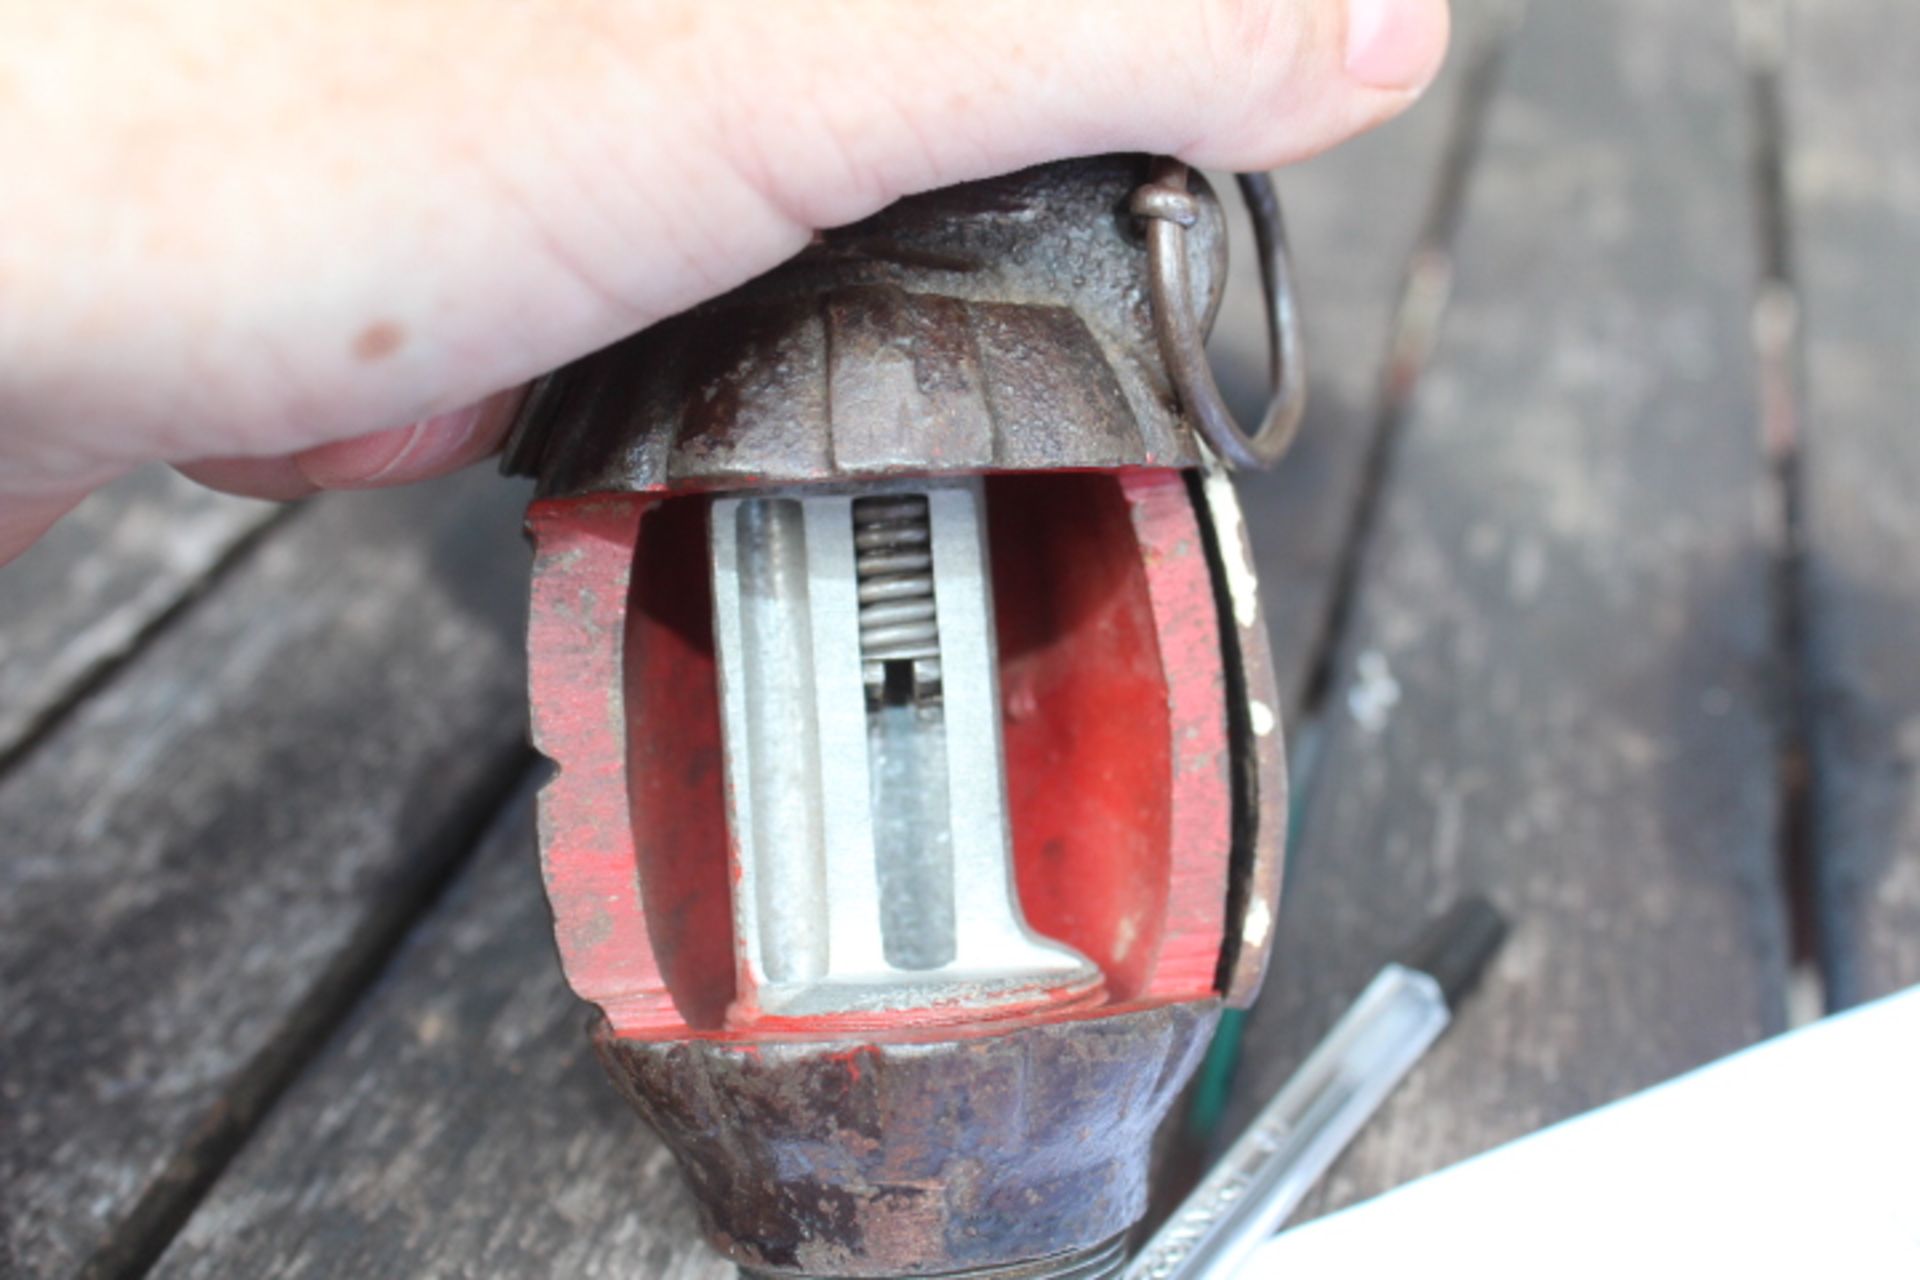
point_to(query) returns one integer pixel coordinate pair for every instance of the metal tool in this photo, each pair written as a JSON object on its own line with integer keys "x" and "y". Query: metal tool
{"x": 919, "y": 797}
{"x": 1298, "y": 1135}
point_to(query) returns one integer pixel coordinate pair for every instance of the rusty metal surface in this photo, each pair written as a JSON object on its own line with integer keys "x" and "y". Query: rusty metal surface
{"x": 1105, "y": 1261}
{"x": 859, "y": 1159}
{"x": 1001, "y": 325}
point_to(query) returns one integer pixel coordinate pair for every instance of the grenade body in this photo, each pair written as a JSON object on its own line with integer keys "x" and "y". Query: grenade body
{"x": 919, "y": 798}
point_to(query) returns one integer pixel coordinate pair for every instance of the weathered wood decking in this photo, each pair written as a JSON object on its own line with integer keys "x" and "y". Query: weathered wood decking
{"x": 1593, "y": 586}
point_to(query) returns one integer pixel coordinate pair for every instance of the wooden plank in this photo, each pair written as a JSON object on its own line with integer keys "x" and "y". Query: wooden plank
{"x": 206, "y": 856}
{"x": 1554, "y": 687}
{"x": 84, "y": 596}
{"x": 1853, "y": 97}
{"x": 457, "y": 1126}
{"x": 1354, "y": 215}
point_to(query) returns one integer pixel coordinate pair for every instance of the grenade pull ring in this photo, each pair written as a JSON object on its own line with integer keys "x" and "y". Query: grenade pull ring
{"x": 1169, "y": 208}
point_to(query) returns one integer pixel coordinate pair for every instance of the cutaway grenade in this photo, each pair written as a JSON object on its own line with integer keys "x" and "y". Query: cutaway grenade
{"x": 920, "y": 792}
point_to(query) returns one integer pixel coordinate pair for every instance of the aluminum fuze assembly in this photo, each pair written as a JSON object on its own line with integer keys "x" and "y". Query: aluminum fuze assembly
{"x": 919, "y": 796}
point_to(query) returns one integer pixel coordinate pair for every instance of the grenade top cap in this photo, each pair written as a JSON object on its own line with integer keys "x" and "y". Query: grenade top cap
{"x": 1002, "y": 325}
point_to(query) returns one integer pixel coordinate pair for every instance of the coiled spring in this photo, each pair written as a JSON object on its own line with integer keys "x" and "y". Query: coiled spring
{"x": 893, "y": 569}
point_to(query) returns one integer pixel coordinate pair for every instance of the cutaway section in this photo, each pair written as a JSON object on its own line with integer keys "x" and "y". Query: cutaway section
{"x": 1039, "y": 817}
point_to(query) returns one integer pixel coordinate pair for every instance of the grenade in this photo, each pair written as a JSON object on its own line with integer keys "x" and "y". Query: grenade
{"x": 919, "y": 795}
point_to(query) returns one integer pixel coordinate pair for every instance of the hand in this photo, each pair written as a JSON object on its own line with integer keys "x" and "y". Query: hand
{"x": 290, "y": 246}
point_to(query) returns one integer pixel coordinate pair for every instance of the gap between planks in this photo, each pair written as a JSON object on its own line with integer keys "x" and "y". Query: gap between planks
{"x": 171, "y": 1200}
{"x": 47, "y": 719}
{"x": 1775, "y": 328}
{"x": 1706, "y": 628}
{"x": 1412, "y": 326}
{"x": 100, "y": 1191}
{"x": 1846, "y": 72}
{"x": 1413, "y": 330}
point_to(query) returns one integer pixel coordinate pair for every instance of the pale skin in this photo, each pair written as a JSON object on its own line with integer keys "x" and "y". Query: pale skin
{"x": 288, "y": 246}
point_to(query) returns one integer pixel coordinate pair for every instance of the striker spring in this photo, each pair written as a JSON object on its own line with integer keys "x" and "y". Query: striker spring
{"x": 893, "y": 568}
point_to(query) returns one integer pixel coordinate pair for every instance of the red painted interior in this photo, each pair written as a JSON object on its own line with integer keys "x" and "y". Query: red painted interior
{"x": 675, "y": 770}
{"x": 1088, "y": 758}
{"x": 1114, "y": 724}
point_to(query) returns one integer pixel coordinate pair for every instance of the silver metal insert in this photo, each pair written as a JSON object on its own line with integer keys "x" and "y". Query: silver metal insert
{"x": 861, "y": 715}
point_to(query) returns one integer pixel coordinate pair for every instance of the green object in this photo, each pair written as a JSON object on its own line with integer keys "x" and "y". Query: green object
{"x": 1215, "y": 1085}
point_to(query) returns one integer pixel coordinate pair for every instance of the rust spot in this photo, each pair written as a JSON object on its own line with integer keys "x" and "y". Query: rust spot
{"x": 378, "y": 341}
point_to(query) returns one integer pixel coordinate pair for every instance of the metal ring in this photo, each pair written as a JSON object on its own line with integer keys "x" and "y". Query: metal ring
{"x": 1169, "y": 208}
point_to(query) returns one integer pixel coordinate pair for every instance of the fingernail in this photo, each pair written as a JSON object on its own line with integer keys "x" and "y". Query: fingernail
{"x": 1394, "y": 44}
